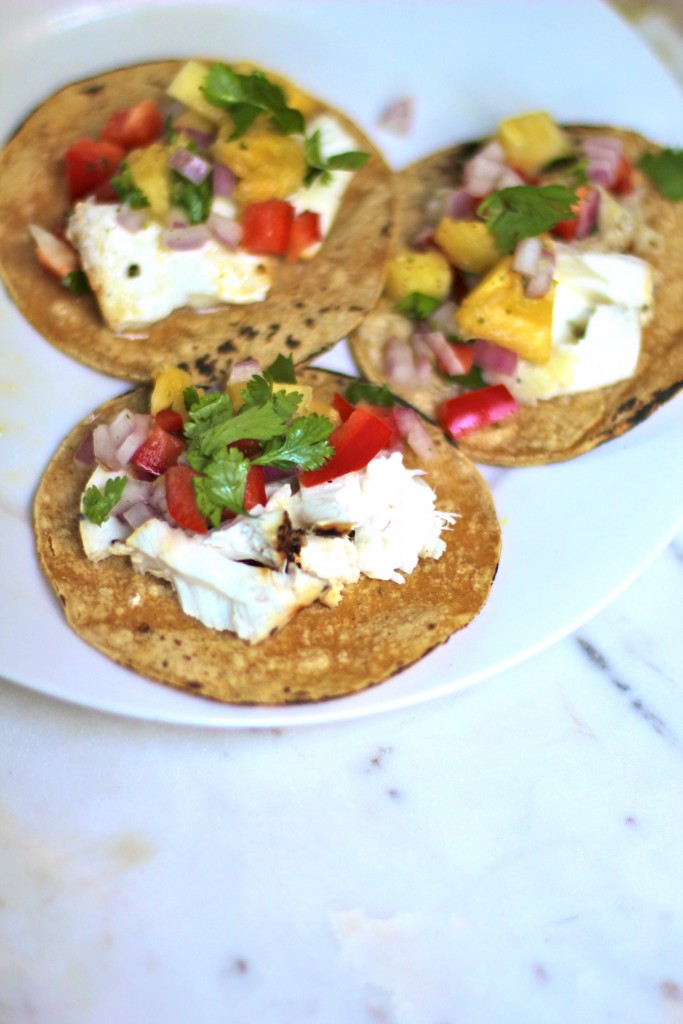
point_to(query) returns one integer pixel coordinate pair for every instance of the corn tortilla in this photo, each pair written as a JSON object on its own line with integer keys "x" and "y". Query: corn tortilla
{"x": 311, "y": 304}
{"x": 377, "y": 629}
{"x": 570, "y": 425}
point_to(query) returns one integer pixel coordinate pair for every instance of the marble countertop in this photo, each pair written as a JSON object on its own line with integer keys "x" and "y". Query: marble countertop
{"x": 510, "y": 854}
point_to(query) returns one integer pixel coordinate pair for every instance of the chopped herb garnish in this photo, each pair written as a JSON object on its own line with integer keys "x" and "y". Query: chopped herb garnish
{"x": 374, "y": 394}
{"x": 525, "y": 211}
{"x": 418, "y": 306}
{"x": 247, "y": 96}
{"x": 195, "y": 200}
{"x": 127, "y": 190}
{"x": 665, "y": 169}
{"x": 77, "y": 282}
{"x": 267, "y": 416}
{"x": 318, "y": 164}
{"x": 97, "y": 504}
{"x": 471, "y": 381}
{"x": 281, "y": 370}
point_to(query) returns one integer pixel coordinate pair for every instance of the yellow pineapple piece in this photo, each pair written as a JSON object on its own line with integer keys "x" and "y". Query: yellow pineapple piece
{"x": 186, "y": 87}
{"x": 169, "y": 386}
{"x": 498, "y": 310}
{"x": 151, "y": 174}
{"x": 468, "y": 244}
{"x": 426, "y": 272}
{"x": 195, "y": 122}
{"x": 267, "y": 165}
{"x": 531, "y": 141}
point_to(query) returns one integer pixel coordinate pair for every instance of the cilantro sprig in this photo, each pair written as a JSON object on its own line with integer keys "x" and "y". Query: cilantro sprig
{"x": 245, "y": 97}
{"x": 525, "y": 211}
{"x": 665, "y": 169}
{"x": 97, "y": 504}
{"x": 127, "y": 190}
{"x": 375, "y": 394}
{"x": 418, "y": 306}
{"x": 321, "y": 166}
{"x": 267, "y": 415}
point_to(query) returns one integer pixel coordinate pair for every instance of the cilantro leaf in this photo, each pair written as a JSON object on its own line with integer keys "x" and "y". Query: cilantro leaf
{"x": 318, "y": 164}
{"x": 97, "y": 504}
{"x": 222, "y": 485}
{"x": 302, "y": 446}
{"x": 127, "y": 190}
{"x": 418, "y": 306}
{"x": 194, "y": 199}
{"x": 247, "y": 96}
{"x": 77, "y": 282}
{"x": 212, "y": 426}
{"x": 281, "y": 370}
{"x": 375, "y": 394}
{"x": 525, "y": 211}
{"x": 472, "y": 381}
{"x": 665, "y": 169}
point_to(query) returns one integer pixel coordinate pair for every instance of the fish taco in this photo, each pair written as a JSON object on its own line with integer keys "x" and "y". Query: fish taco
{"x": 534, "y": 306}
{"x": 191, "y": 212}
{"x": 284, "y": 539}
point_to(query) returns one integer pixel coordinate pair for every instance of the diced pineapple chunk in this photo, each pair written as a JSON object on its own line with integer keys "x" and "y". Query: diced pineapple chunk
{"x": 468, "y": 244}
{"x": 151, "y": 174}
{"x": 322, "y": 408}
{"x": 426, "y": 272}
{"x": 499, "y": 311}
{"x": 531, "y": 141}
{"x": 169, "y": 388}
{"x": 195, "y": 122}
{"x": 267, "y": 165}
{"x": 186, "y": 87}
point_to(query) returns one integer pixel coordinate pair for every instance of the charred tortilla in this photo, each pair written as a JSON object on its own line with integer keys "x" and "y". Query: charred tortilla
{"x": 311, "y": 304}
{"x": 564, "y": 427}
{"x": 377, "y": 629}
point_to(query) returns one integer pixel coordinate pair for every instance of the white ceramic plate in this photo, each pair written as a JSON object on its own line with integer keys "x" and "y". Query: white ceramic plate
{"x": 574, "y": 534}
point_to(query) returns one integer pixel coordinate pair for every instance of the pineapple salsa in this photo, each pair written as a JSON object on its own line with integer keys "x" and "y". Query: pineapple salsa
{"x": 524, "y": 284}
{"x": 187, "y": 206}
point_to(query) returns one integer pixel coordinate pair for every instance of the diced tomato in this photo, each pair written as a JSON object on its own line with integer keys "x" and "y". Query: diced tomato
{"x": 304, "y": 233}
{"x": 266, "y": 227}
{"x": 158, "y": 452}
{"x": 355, "y": 443}
{"x": 566, "y": 229}
{"x": 53, "y": 253}
{"x": 90, "y": 164}
{"x": 255, "y": 489}
{"x": 475, "y": 409}
{"x": 342, "y": 406}
{"x": 181, "y": 499}
{"x": 624, "y": 181}
{"x": 170, "y": 420}
{"x": 247, "y": 446}
{"x": 463, "y": 353}
{"x": 134, "y": 127}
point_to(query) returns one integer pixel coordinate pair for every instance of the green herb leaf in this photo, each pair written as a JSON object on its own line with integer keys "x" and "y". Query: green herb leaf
{"x": 374, "y": 394}
{"x": 281, "y": 370}
{"x": 665, "y": 169}
{"x": 222, "y": 485}
{"x": 97, "y": 504}
{"x": 194, "y": 199}
{"x": 472, "y": 381}
{"x": 525, "y": 211}
{"x": 247, "y": 96}
{"x": 318, "y": 164}
{"x": 418, "y": 306}
{"x": 77, "y": 282}
{"x": 303, "y": 446}
{"x": 190, "y": 398}
{"x": 127, "y": 190}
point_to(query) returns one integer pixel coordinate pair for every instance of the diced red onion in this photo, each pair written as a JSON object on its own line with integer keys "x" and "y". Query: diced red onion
{"x": 588, "y": 213}
{"x": 526, "y": 256}
{"x": 490, "y": 356}
{"x": 138, "y": 513}
{"x": 194, "y": 236}
{"x": 244, "y": 370}
{"x": 271, "y": 474}
{"x": 135, "y": 491}
{"x": 460, "y": 204}
{"x": 508, "y": 178}
{"x": 422, "y": 239}
{"x": 225, "y": 230}
{"x": 442, "y": 318}
{"x": 481, "y": 173}
{"x": 424, "y": 361}
{"x": 85, "y": 453}
{"x": 201, "y": 139}
{"x": 539, "y": 283}
{"x": 132, "y": 442}
{"x": 223, "y": 181}
{"x": 178, "y": 218}
{"x": 399, "y": 364}
{"x": 604, "y": 155}
{"x": 397, "y": 117}
{"x": 130, "y": 219}
{"x": 413, "y": 431}
{"x": 190, "y": 165}
{"x": 444, "y": 352}
{"x": 108, "y": 439}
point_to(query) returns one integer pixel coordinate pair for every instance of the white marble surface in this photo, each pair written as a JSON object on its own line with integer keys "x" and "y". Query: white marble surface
{"x": 510, "y": 854}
